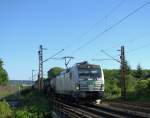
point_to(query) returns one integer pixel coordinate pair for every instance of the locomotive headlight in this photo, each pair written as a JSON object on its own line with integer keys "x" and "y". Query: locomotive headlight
{"x": 77, "y": 87}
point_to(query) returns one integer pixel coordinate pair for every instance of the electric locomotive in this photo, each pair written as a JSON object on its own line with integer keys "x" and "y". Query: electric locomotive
{"x": 82, "y": 82}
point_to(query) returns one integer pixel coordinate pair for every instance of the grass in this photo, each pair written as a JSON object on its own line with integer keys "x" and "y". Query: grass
{"x": 34, "y": 98}
{"x": 11, "y": 92}
{"x": 8, "y": 90}
{"x": 33, "y": 104}
{"x": 5, "y": 110}
{"x": 131, "y": 97}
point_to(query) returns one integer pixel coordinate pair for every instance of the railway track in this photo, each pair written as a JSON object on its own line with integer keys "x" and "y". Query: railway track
{"x": 138, "y": 104}
{"x": 121, "y": 112}
{"x": 65, "y": 110}
{"x": 96, "y": 111}
{"x": 134, "y": 107}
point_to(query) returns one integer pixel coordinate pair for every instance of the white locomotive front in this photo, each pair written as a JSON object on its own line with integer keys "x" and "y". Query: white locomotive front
{"x": 82, "y": 81}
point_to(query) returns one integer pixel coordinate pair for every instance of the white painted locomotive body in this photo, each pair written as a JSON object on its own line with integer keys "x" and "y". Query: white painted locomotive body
{"x": 81, "y": 80}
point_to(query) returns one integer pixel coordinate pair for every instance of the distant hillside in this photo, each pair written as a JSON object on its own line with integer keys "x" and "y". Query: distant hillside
{"x": 25, "y": 82}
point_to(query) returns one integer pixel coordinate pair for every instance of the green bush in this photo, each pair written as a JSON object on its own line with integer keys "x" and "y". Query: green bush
{"x": 148, "y": 85}
{"x": 3, "y": 74}
{"x": 23, "y": 114}
{"x": 33, "y": 105}
{"x": 142, "y": 87}
{"x": 130, "y": 83}
{"x": 111, "y": 88}
{"x": 5, "y": 110}
{"x": 31, "y": 112}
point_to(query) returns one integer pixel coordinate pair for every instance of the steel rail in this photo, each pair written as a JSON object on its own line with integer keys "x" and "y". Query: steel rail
{"x": 82, "y": 112}
{"x": 95, "y": 111}
{"x": 141, "y": 104}
{"x": 132, "y": 107}
{"x": 102, "y": 113}
{"x": 69, "y": 113}
{"x": 121, "y": 112}
{"x": 77, "y": 111}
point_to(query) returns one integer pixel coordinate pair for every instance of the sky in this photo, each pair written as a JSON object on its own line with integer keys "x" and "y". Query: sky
{"x": 72, "y": 25}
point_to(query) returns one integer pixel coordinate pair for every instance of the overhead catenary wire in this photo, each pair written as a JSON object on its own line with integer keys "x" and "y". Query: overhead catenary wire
{"x": 129, "y": 41}
{"x": 111, "y": 27}
{"x": 99, "y": 21}
{"x": 105, "y": 17}
{"x": 101, "y": 59}
{"x": 138, "y": 48}
{"x": 130, "y": 51}
{"x": 117, "y": 45}
{"x": 41, "y": 64}
{"x": 110, "y": 56}
{"x": 126, "y": 42}
{"x": 53, "y": 55}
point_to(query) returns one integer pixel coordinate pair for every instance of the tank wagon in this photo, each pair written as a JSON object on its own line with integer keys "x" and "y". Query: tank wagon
{"x": 82, "y": 82}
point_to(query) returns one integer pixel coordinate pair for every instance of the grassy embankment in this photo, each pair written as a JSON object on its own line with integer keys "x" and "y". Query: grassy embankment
{"x": 32, "y": 104}
{"x": 8, "y": 90}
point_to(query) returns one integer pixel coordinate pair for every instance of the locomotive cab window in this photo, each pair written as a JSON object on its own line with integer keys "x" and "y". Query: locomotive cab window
{"x": 89, "y": 72}
{"x": 70, "y": 75}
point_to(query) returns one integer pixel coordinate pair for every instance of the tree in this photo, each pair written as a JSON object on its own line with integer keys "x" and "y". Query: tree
{"x": 142, "y": 87}
{"x": 111, "y": 87}
{"x": 127, "y": 68}
{"x": 53, "y": 72}
{"x": 3, "y": 74}
{"x": 139, "y": 72}
{"x": 130, "y": 83}
{"x": 148, "y": 86}
{"x": 111, "y": 74}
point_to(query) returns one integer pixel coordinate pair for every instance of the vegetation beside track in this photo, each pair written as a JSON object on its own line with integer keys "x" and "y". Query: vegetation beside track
{"x": 3, "y": 74}
{"x": 137, "y": 84}
{"x": 8, "y": 90}
{"x": 31, "y": 104}
{"x": 5, "y": 110}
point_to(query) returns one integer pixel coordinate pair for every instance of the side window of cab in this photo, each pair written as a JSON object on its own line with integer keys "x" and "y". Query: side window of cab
{"x": 70, "y": 75}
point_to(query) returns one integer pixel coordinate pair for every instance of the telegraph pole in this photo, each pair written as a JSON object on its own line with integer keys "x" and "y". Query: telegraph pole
{"x": 40, "y": 75}
{"x": 122, "y": 65}
{"x": 123, "y": 80}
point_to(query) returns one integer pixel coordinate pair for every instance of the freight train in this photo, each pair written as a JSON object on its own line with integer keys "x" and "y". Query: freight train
{"x": 82, "y": 82}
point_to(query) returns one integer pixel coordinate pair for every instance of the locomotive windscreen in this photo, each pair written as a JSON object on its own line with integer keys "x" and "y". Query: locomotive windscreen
{"x": 89, "y": 71}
